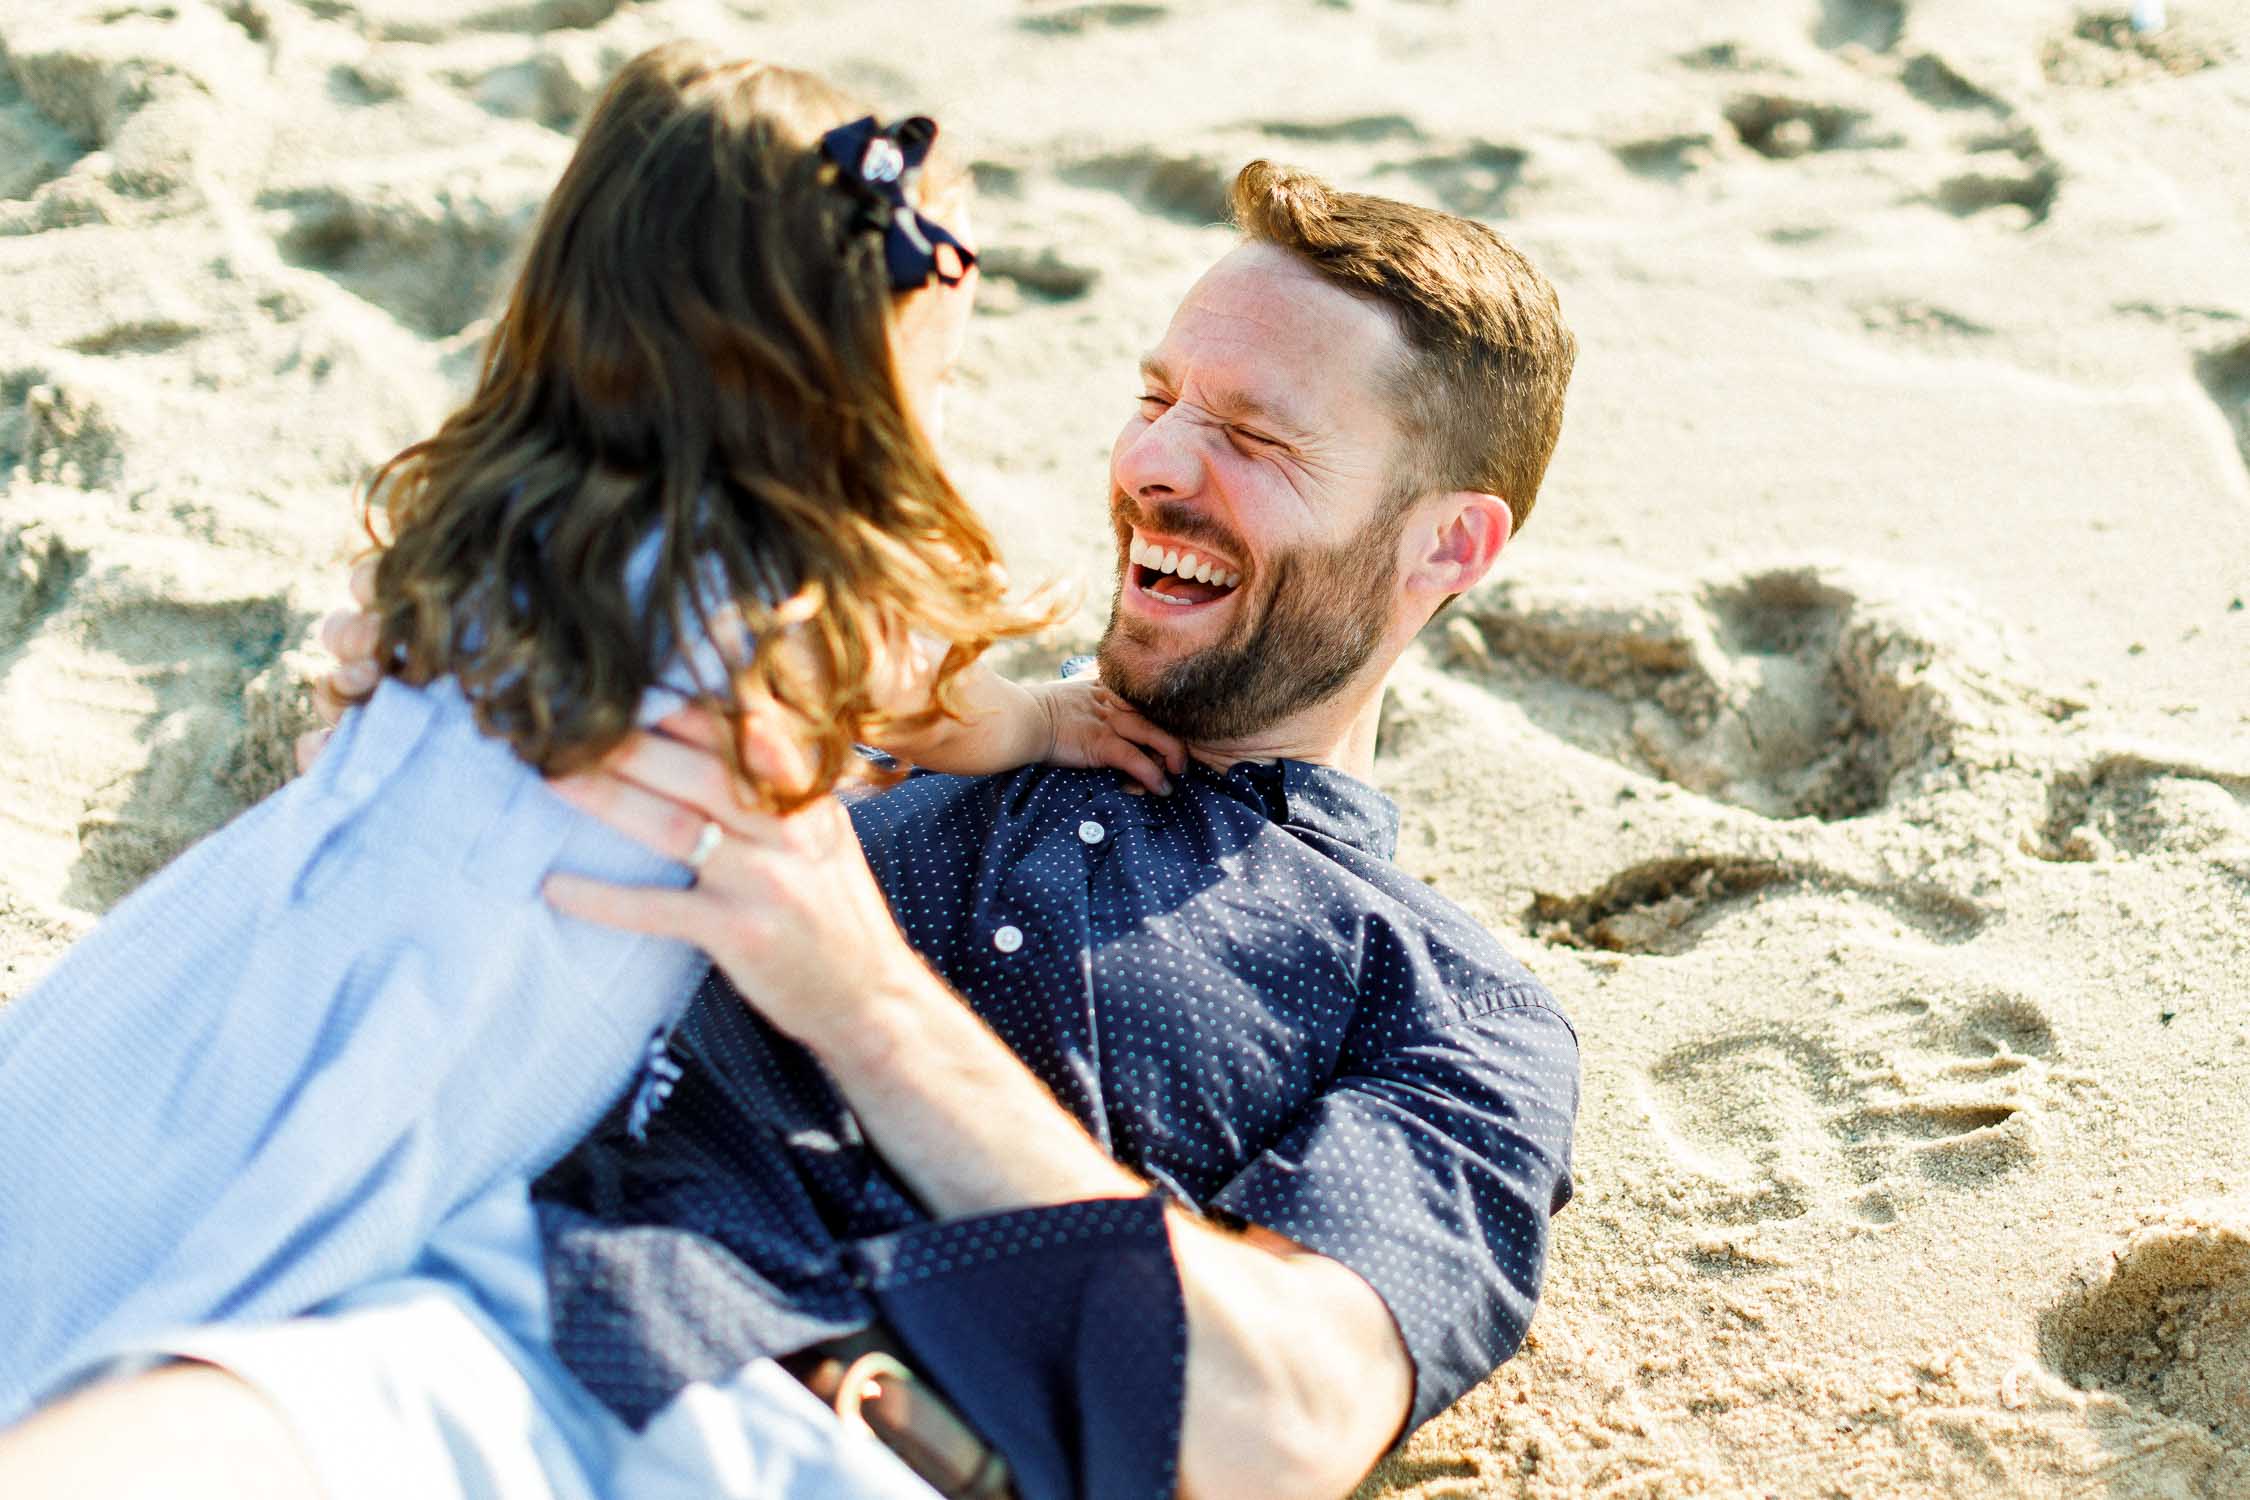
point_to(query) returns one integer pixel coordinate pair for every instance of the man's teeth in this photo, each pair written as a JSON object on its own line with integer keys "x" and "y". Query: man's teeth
{"x": 1183, "y": 564}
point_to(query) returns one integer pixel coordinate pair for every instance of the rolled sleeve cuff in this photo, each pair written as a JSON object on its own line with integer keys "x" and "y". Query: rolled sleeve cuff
{"x": 1059, "y": 1332}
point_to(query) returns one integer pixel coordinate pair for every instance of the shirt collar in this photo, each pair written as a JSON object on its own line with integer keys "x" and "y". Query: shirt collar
{"x": 1320, "y": 800}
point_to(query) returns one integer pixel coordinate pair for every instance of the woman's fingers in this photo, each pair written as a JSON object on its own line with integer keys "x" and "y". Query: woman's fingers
{"x": 668, "y": 827}
{"x": 679, "y": 770}
{"x": 339, "y": 690}
{"x": 308, "y": 748}
{"x": 697, "y": 726}
{"x": 351, "y": 635}
{"x": 1126, "y": 720}
{"x": 656, "y": 910}
{"x": 363, "y": 581}
{"x": 1122, "y": 754}
{"x": 771, "y": 751}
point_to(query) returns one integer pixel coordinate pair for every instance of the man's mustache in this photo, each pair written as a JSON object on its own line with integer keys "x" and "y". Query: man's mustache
{"x": 1173, "y": 519}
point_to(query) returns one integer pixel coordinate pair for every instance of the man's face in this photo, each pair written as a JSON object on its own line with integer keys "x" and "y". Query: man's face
{"x": 1264, "y": 449}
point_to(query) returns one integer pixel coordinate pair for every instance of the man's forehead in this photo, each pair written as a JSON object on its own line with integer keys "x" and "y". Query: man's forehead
{"x": 1266, "y": 331}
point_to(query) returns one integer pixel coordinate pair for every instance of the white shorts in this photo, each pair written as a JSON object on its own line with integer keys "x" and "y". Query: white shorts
{"x": 441, "y": 1386}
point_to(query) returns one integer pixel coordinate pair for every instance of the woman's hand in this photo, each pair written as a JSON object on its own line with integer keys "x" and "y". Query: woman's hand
{"x": 1088, "y": 725}
{"x": 785, "y": 906}
{"x": 349, "y": 635}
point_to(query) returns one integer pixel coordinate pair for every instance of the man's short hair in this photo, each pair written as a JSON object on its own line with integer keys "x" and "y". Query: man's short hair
{"x": 1481, "y": 393}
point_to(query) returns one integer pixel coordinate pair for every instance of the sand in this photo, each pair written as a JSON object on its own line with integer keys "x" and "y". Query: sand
{"x": 1858, "y": 739}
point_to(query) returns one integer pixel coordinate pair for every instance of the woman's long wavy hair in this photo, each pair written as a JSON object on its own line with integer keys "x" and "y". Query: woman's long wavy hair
{"x": 697, "y": 349}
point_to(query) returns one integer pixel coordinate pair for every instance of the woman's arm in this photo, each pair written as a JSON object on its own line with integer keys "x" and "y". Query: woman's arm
{"x": 1006, "y": 724}
{"x": 1003, "y": 724}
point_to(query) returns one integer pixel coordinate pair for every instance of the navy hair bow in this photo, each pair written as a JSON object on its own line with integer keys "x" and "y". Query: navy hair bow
{"x": 877, "y": 165}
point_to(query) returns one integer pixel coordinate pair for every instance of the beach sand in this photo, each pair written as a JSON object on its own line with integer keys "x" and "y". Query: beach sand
{"x": 1857, "y": 740}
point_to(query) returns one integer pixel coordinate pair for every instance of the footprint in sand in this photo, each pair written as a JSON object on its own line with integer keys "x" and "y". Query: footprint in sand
{"x": 1808, "y": 691}
{"x": 2102, "y": 50}
{"x": 34, "y": 149}
{"x": 2225, "y": 376}
{"x": 1781, "y": 126}
{"x": 2164, "y": 1324}
{"x": 2006, "y": 169}
{"x": 2003, "y": 162}
{"x": 1045, "y": 274}
{"x": 416, "y": 21}
{"x": 1938, "y": 84}
{"x": 100, "y": 108}
{"x": 1744, "y": 1112}
{"x": 1353, "y": 129}
{"x": 1666, "y": 158}
{"x": 36, "y": 574}
{"x": 1875, "y": 25}
{"x": 1080, "y": 20}
{"x": 1473, "y": 180}
{"x": 55, "y": 431}
{"x": 1778, "y": 1124}
{"x": 1667, "y": 906}
{"x": 428, "y": 253}
{"x": 553, "y": 87}
{"x": 2133, "y": 806}
{"x": 1922, "y": 327}
{"x": 2006, "y": 163}
{"x": 1186, "y": 189}
{"x": 183, "y": 671}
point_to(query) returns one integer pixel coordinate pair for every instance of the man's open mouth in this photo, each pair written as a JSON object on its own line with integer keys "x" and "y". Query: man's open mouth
{"x": 1180, "y": 576}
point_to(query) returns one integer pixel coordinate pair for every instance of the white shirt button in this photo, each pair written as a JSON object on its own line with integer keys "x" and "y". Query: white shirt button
{"x": 1008, "y": 939}
{"x": 1091, "y": 832}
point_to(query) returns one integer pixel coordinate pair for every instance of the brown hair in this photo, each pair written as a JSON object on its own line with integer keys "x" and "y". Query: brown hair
{"x": 697, "y": 349}
{"x": 1481, "y": 393}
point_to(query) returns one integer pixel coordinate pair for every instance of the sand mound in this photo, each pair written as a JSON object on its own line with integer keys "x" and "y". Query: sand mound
{"x": 2167, "y": 1323}
{"x": 2136, "y": 804}
{"x": 2164, "y": 1326}
{"x": 1804, "y": 691}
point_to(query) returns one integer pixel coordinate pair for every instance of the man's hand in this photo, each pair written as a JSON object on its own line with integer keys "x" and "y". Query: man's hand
{"x": 349, "y": 635}
{"x": 1088, "y": 725}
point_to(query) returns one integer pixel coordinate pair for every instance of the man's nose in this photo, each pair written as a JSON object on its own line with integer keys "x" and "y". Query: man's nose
{"x": 1163, "y": 458}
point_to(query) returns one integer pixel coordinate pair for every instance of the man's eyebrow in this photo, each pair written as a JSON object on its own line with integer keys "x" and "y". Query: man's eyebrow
{"x": 1230, "y": 402}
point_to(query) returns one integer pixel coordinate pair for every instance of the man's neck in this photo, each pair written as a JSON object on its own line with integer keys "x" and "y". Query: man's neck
{"x": 1339, "y": 733}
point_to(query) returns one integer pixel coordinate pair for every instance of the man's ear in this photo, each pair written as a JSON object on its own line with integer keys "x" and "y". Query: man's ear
{"x": 1471, "y": 529}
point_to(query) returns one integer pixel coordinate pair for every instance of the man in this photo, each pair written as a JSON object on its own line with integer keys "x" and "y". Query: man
{"x": 938, "y": 1073}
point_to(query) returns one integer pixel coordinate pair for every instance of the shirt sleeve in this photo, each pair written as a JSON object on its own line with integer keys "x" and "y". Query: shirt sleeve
{"x": 1060, "y": 1333}
{"x": 1432, "y": 1171}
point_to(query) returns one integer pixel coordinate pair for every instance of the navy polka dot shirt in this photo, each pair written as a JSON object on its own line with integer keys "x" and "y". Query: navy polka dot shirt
{"x": 1233, "y": 988}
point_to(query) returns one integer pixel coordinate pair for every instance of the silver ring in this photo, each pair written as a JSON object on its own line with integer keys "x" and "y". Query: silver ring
{"x": 706, "y": 844}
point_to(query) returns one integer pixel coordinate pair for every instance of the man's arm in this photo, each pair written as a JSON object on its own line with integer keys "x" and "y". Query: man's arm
{"x": 1297, "y": 1379}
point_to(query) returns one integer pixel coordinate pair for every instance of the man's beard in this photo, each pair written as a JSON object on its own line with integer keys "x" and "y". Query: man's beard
{"x": 1322, "y": 612}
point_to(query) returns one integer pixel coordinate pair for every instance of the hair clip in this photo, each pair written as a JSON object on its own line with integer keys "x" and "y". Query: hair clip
{"x": 878, "y": 165}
